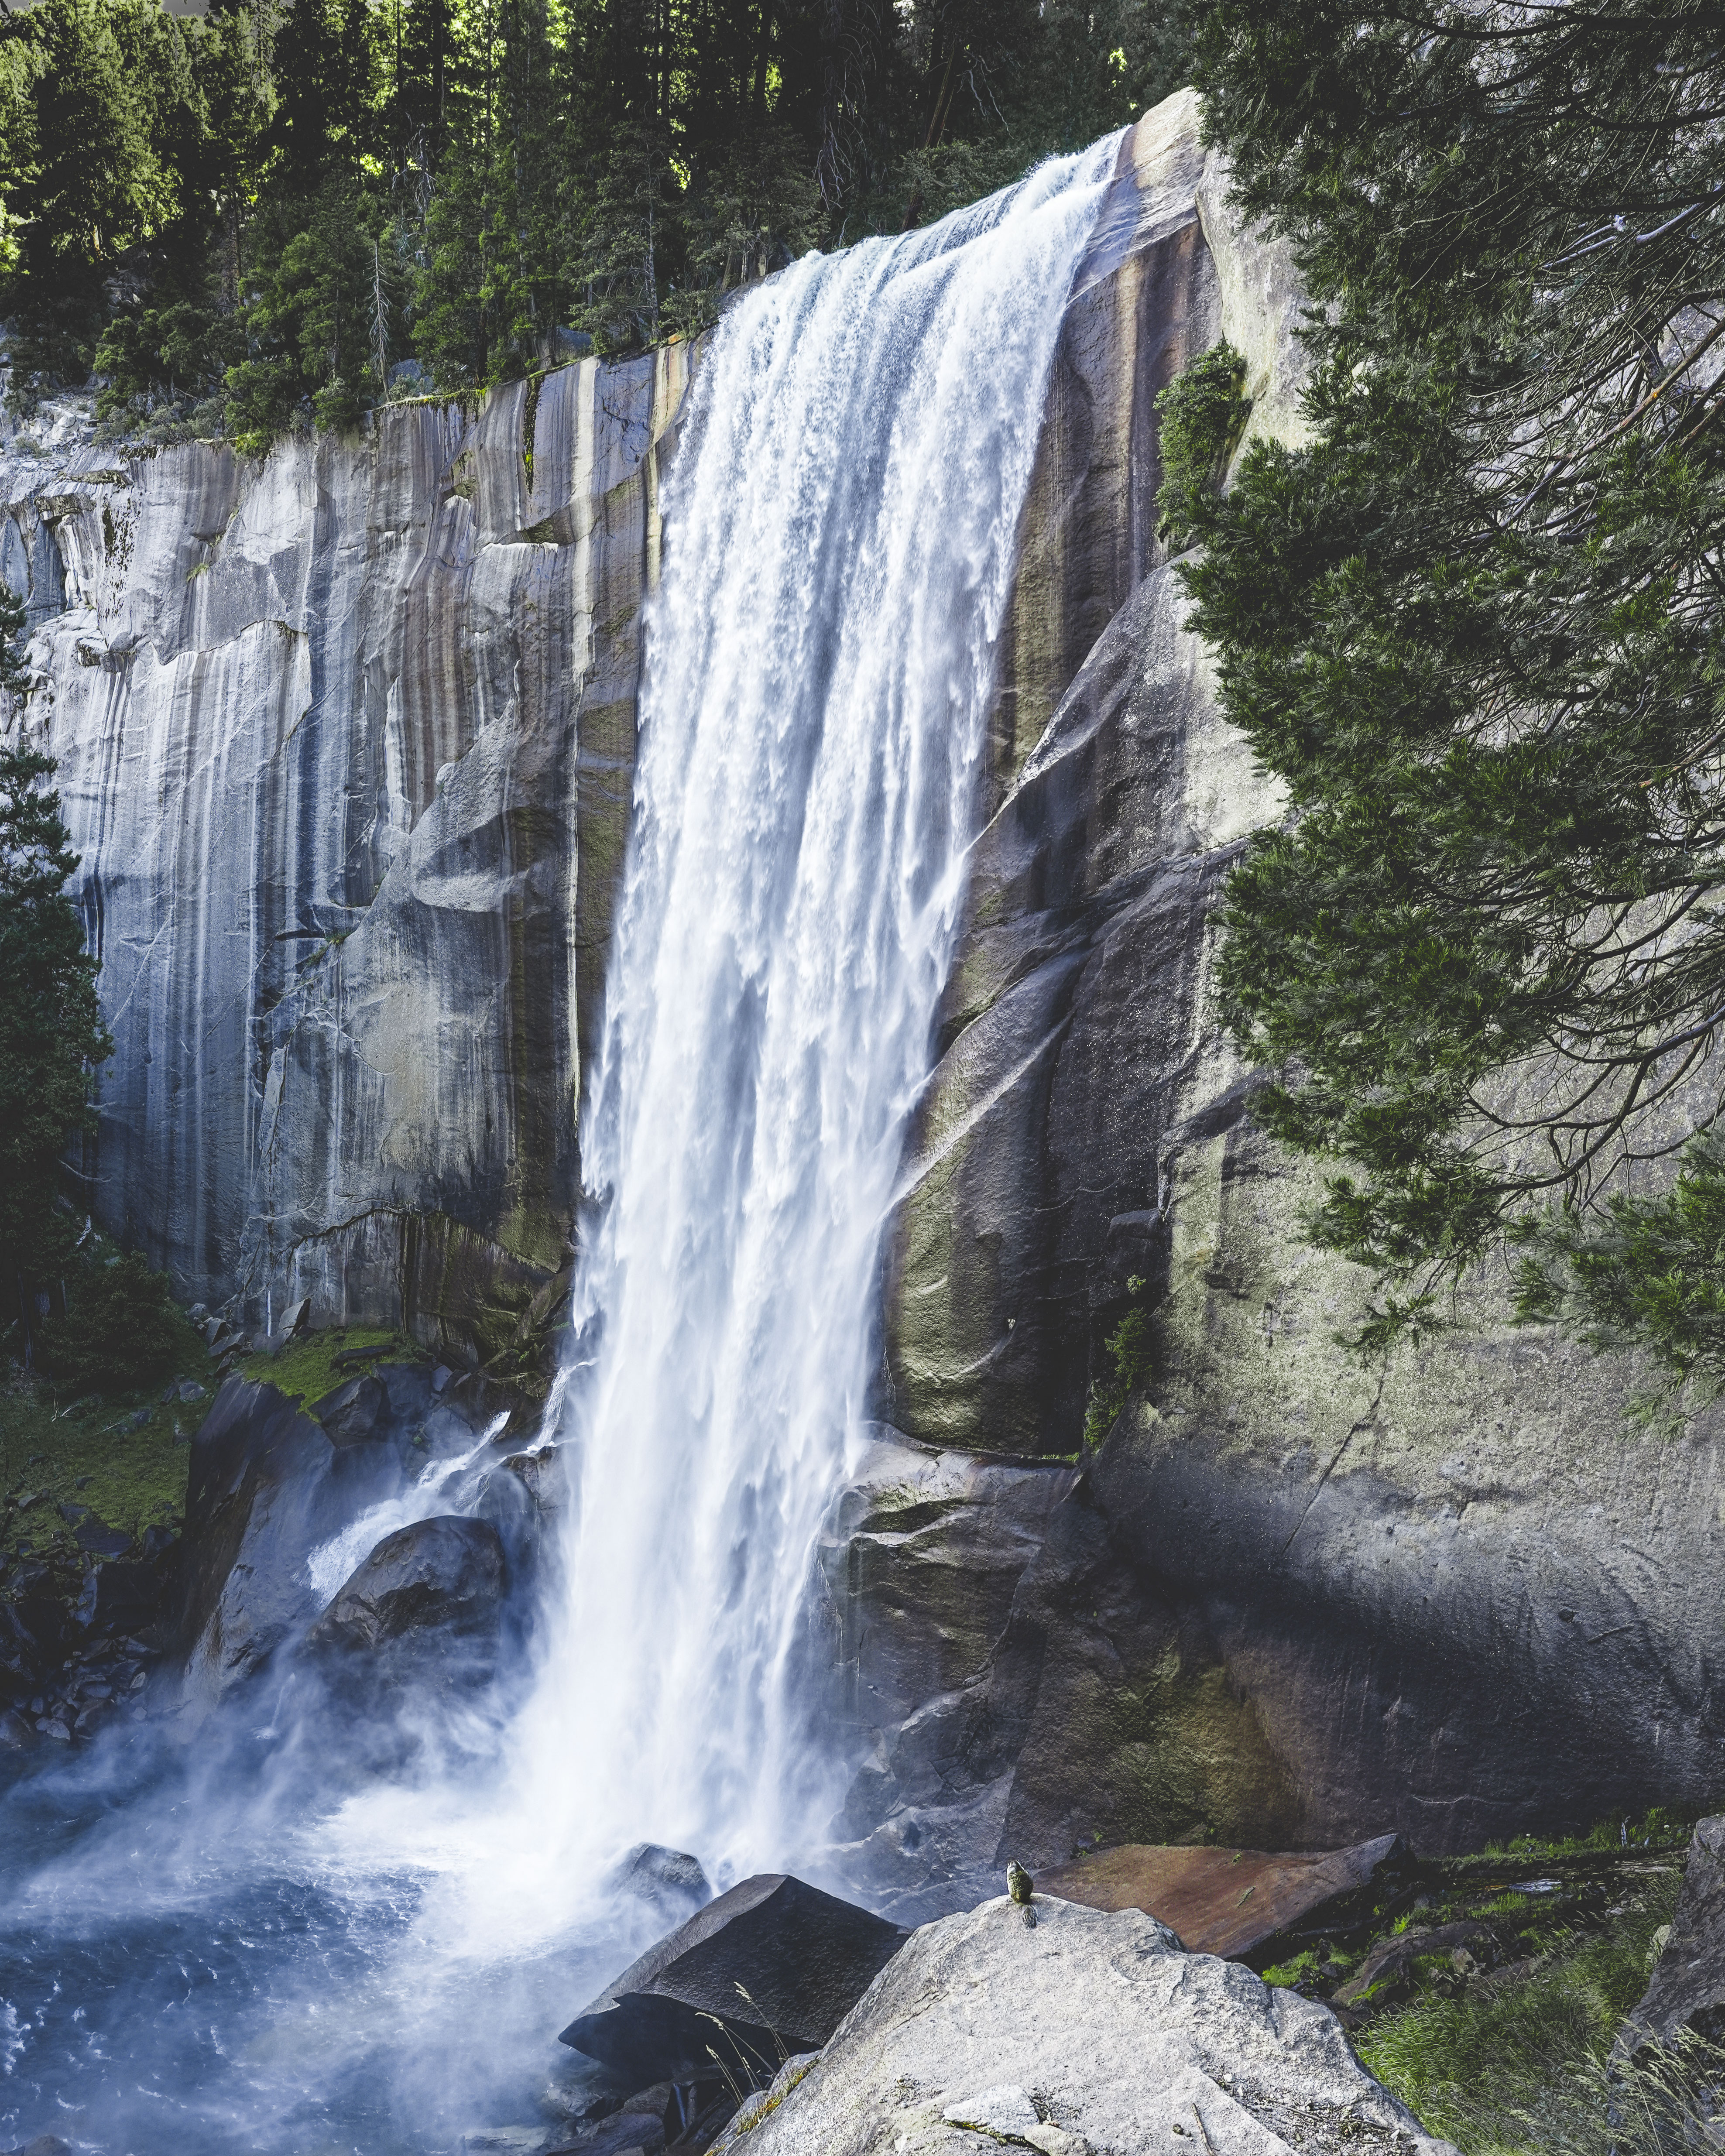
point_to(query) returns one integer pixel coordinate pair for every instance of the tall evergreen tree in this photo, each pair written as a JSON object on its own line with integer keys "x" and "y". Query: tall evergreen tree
{"x": 51, "y": 1030}
{"x": 1475, "y": 624}
{"x": 262, "y": 213}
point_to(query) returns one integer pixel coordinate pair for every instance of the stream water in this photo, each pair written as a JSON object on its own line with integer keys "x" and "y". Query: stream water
{"x": 233, "y": 1943}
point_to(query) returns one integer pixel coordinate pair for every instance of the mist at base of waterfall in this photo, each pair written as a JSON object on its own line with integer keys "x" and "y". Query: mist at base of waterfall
{"x": 224, "y": 1954}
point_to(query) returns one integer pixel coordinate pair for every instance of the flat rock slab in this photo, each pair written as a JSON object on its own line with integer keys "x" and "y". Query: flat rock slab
{"x": 1226, "y": 1901}
{"x": 1091, "y": 2034}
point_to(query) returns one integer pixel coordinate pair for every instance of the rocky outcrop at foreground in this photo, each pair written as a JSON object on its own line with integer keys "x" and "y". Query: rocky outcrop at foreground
{"x": 1089, "y": 2033}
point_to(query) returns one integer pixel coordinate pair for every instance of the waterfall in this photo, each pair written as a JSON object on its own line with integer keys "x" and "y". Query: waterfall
{"x": 841, "y": 526}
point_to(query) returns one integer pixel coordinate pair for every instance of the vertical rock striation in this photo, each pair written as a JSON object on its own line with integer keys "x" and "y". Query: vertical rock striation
{"x": 345, "y": 741}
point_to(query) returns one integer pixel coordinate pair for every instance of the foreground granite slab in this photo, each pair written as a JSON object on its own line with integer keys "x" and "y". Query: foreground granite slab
{"x": 1089, "y": 2032}
{"x": 1226, "y": 1902}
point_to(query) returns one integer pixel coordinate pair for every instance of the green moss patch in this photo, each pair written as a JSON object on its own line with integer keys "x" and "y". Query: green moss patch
{"x": 308, "y": 1368}
{"x": 122, "y": 1457}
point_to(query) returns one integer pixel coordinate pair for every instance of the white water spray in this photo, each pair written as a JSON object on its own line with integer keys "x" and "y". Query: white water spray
{"x": 840, "y": 534}
{"x": 444, "y": 1485}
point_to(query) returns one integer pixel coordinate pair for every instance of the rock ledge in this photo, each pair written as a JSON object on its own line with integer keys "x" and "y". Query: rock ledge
{"x": 1092, "y": 2031}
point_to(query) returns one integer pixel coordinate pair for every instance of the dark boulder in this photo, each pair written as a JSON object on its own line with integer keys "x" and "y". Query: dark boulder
{"x": 1687, "y": 1987}
{"x": 774, "y": 1965}
{"x": 270, "y": 1482}
{"x": 266, "y": 1486}
{"x": 123, "y": 1597}
{"x": 631, "y": 2127}
{"x": 443, "y": 1575}
{"x": 96, "y": 1540}
{"x": 356, "y": 1412}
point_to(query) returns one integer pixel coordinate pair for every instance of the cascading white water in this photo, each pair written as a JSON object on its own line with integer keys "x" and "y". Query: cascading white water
{"x": 840, "y": 532}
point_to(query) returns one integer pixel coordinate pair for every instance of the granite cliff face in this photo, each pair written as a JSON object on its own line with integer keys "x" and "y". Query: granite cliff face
{"x": 345, "y": 741}
{"x": 1289, "y": 1601}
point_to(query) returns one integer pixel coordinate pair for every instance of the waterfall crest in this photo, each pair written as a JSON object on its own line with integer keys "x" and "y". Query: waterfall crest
{"x": 840, "y": 532}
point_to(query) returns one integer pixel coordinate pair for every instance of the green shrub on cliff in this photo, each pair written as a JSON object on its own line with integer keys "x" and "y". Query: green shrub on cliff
{"x": 1475, "y": 626}
{"x": 1200, "y": 414}
{"x": 1129, "y": 1366}
{"x": 51, "y": 1030}
{"x": 120, "y": 1328}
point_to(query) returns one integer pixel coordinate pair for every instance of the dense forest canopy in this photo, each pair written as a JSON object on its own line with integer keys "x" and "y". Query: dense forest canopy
{"x": 1475, "y": 626}
{"x": 255, "y": 219}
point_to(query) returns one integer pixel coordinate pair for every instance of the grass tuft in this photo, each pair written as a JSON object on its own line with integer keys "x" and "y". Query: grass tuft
{"x": 1520, "y": 2069}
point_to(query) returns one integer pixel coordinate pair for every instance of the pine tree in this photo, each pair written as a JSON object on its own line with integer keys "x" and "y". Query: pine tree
{"x": 1475, "y": 624}
{"x": 51, "y": 1030}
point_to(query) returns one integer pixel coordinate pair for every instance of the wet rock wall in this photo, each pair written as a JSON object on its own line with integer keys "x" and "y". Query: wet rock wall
{"x": 345, "y": 739}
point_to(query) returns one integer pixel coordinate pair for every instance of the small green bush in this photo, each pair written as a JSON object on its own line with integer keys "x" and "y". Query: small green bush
{"x": 336, "y": 408}
{"x": 121, "y": 1328}
{"x": 1129, "y": 1357}
{"x": 1202, "y": 413}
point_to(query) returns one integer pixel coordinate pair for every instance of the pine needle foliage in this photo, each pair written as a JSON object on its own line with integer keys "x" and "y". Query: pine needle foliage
{"x": 1200, "y": 415}
{"x": 1474, "y": 623}
{"x": 51, "y": 1031}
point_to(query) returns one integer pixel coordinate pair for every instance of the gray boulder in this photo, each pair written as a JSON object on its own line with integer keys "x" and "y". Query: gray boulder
{"x": 1090, "y": 2034}
{"x": 775, "y": 1964}
{"x": 669, "y": 1882}
{"x": 1687, "y": 1987}
{"x": 442, "y": 1575}
{"x": 268, "y": 1483}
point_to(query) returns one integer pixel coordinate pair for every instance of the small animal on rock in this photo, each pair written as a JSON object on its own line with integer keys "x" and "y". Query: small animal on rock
{"x": 1021, "y": 1886}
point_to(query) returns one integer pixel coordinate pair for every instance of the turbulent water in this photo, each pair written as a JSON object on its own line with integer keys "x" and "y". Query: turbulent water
{"x": 251, "y": 1959}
